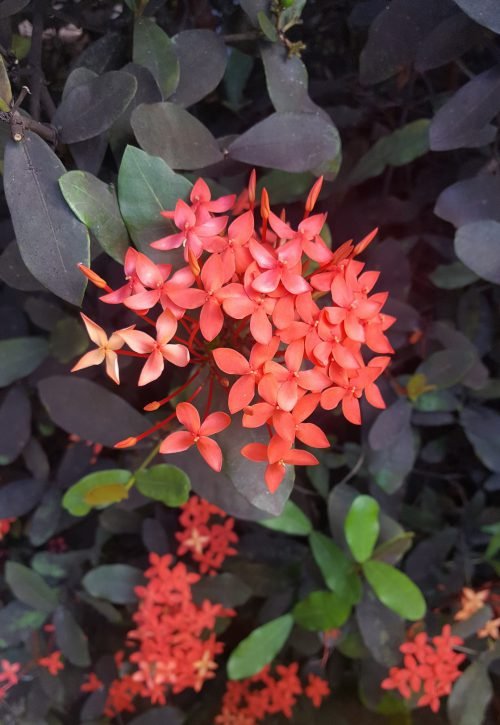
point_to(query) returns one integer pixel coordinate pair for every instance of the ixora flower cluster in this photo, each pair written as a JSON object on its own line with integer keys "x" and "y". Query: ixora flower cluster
{"x": 256, "y": 290}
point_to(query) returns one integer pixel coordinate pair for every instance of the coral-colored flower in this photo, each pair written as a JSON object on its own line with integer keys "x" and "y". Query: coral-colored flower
{"x": 194, "y": 234}
{"x": 92, "y": 684}
{"x": 9, "y": 672}
{"x": 490, "y": 629}
{"x": 5, "y": 525}
{"x": 52, "y": 662}
{"x": 278, "y": 454}
{"x": 471, "y": 602}
{"x": 106, "y": 349}
{"x": 317, "y": 689}
{"x": 197, "y": 434}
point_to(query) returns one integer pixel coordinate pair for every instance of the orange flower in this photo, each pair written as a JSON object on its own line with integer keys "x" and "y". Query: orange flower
{"x": 471, "y": 602}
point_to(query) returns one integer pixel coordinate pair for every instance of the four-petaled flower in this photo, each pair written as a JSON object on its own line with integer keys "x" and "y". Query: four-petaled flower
{"x": 197, "y": 434}
{"x": 106, "y": 349}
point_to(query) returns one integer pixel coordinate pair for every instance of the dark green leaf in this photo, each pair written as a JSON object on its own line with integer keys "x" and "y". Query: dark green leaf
{"x": 337, "y": 570}
{"x": 51, "y": 240}
{"x": 447, "y": 367}
{"x": 29, "y": 587}
{"x": 362, "y": 527}
{"x": 394, "y": 549}
{"x": 173, "y": 134}
{"x": 452, "y": 276}
{"x": 287, "y": 81}
{"x": 147, "y": 186}
{"x": 106, "y": 53}
{"x": 15, "y": 424}
{"x": 20, "y": 356}
{"x": 389, "y": 424}
{"x": 321, "y": 611}
{"x": 93, "y": 106}
{"x": 68, "y": 339}
{"x": 70, "y": 639}
{"x": 165, "y": 483}
{"x": 155, "y": 51}
{"x": 160, "y": 716}
{"x": 17, "y": 498}
{"x": 95, "y": 204}
{"x": 77, "y": 77}
{"x": 482, "y": 427}
{"x": 477, "y": 245}
{"x": 470, "y": 200}
{"x": 202, "y": 59}
{"x": 17, "y": 622}
{"x": 11, "y": 7}
{"x": 96, "y": 491}
{"x": 259, "y": 648}
{"x": 239, "y": 67}
{"x": 267, "y": 26}
{"x": 471, "y": 695}
{"x": 395, "y": 590}
{"x": 292, "y": 521}
{"x": 448, "y": 41}
{"x": 484, "y": 12}
{"x": 382, "y": 630}
{"x": 5, "y": 89}
{"x": 43, "y": 524}
{"x": 269, "y": 143}
{"x": 15, "y": 273}
{"x": 463, "y": 121}
{"x": 226, "y": 589}
{"x": 114, "y": 582}
{"x": 90, "y": 411}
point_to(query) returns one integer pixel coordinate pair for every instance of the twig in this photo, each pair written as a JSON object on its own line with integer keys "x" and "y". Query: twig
{"x": 19, "y": 123}
{"x": 35, "y": 59}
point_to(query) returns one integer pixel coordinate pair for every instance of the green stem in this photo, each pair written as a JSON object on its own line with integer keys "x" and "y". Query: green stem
{"x": 151, "y": 455}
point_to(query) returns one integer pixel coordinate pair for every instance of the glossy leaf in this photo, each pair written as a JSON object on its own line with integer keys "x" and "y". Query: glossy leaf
{"x": 202, "y": 62}
{"x": 20, "y": 356}
{"x": 321, "y": 611}
{"x": 484, "y": 12}
{"x": 292, "y": 521}
{"x": 51, "y": 240}
{"x": 29, "y": 587}
{"x": 173, "y": 134}
{"x": 95, "y": 204}
{"x": 482, "y": 427}
{"x": 395, "y": 590}
{"x": 478, "y": 246}
{"x": 259, "y": 648}
{"x": 114, "y": 582}
{"x": 165, "y": 483}
{"x": 15, "y": 424}
{"x": 362, "y": 527}
{"x": 70, "y": 638}
{"x": 90, "y": 411}
{"x": 155, "y": 51}
{"x": 96, "y": 491}
{"x": 288, "y": 141}
{"x": 93, "y": 106}
{"x": 338, "y": 571}
{"x": 147, "y": 186}
{"x": 464, "y": 120}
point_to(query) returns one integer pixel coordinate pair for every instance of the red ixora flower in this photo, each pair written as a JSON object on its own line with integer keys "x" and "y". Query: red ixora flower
{"x": 52, "y": 662}
{"x": 273, "y": 322}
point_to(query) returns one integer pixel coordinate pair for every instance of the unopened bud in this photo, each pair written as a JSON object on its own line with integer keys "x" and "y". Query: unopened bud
{"x": 126, "y": 443}
{"x": 193, "y": 263}
{"x": 224, "y": 382}
{"x": 251, "y": 187}
{"x": 265, "y": 209}
{"x": 93, "y": 277}
{"x": 362, "y": 245}
{"x": 152, "y": 406}
{"x": 313, "y": 195}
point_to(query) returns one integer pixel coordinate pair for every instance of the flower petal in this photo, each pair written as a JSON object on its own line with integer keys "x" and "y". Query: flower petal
{"x": 211, "y": 319}
{"x": 241, "y": 393}
{"x": 312, "y": 435}
{"x": 255, "y": 452}
{"x": 112, "y": 370}
{"x": 94, "y": 357}
{"x": 176, "y": 354}
{"x": 179, "y": 441}
{"x": 211, "y": 452}
{"x": 214, "y": 423}
{"x": 166, "y": 326}
{"x": 274, "y": 475}
{"x": 152, "y": 369}
{"x": 189, "y": 417}
{"x": 231, "y": 361}
{"x": 138, "y": 341}
{"x": 95, "y": 331}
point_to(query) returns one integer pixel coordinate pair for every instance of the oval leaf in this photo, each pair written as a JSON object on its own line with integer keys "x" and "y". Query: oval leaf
{"x": 90, "y": 411}
{"x": 446, "y": 368}
{"x": 29, "y": 587}
{"x": 484, "y": 12}
{"x": 95, "y": 204}
{"x": 94, "y": 105}
{"x": 114, "y": 582}
{"x": 15, "y": 424}
{"x": 482, "y": 428}
{"x": 19, "y": 497}
{"x": 155, "y": 51}
{"x": 362, "y": 527}
{"x": 477, "y": 245}
{"x": 70, "y": 639}
{"x": 389, "y": 424}
{"x": 395, "y": 590}
{"x": 291, "y": 521}
{"x": 51, "y": 240}
{"x": 173, "y": 134}
{"x": 164, "y": 483}
{"x": 96, "y": 490}
{"x": 202, "y": 60}
{"x": 20, "y": 356}
{"x": 259, "y": 648}
{"x": 288, "y": 141}
{"x": 321, "y": 611}
{"x": 337, "y": 569}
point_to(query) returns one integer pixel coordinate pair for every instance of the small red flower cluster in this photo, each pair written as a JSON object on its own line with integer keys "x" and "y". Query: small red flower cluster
{"x": 256, "y": 290}
{"x": 208, "y": 542}
{"x": 5, "y": 525}
{"x": 175, "y": 641}
{"x": 9, "y": 676}
{"x": 430, "y": 668}
{"x": 249, "y": 701}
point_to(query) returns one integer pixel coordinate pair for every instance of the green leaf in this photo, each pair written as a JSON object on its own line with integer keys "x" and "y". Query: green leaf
{"x": 172, "y": 133}
{"x": 147, "y": 186}
{"x": 5, "y": 89}
{"x": 96, "y": 491}
{"x": 452, "y": 276}
{"x": 202, "y": 58}
{"x": 362, "y": 527}
{"x": 471, "y": 695}
{"x": 68, "y": 339}
{"x": 477, "y": 245}
{"x": 164, "y": 483}
{"x": 446, "y": 368}
{"x": 267, "y": 27}
{"x": 19, "y": 356}
{"x": 70, "y": 639}
{"x": 259, "y": 648}
{"x": 395, "y": 590}
{"x": 291, "y": 521}
{"x": 95, "y": 204}
{"x": 29, "y": 587}
{"x": 396, "y": 149}
{"x": 482, "y": 427}
{"x": 321, "y": 611}
{"x": 114, "y": 582}
{"x": 51, "y": 240}
{"x": 337, "y": 570}
{"x": 155, "y": 51}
